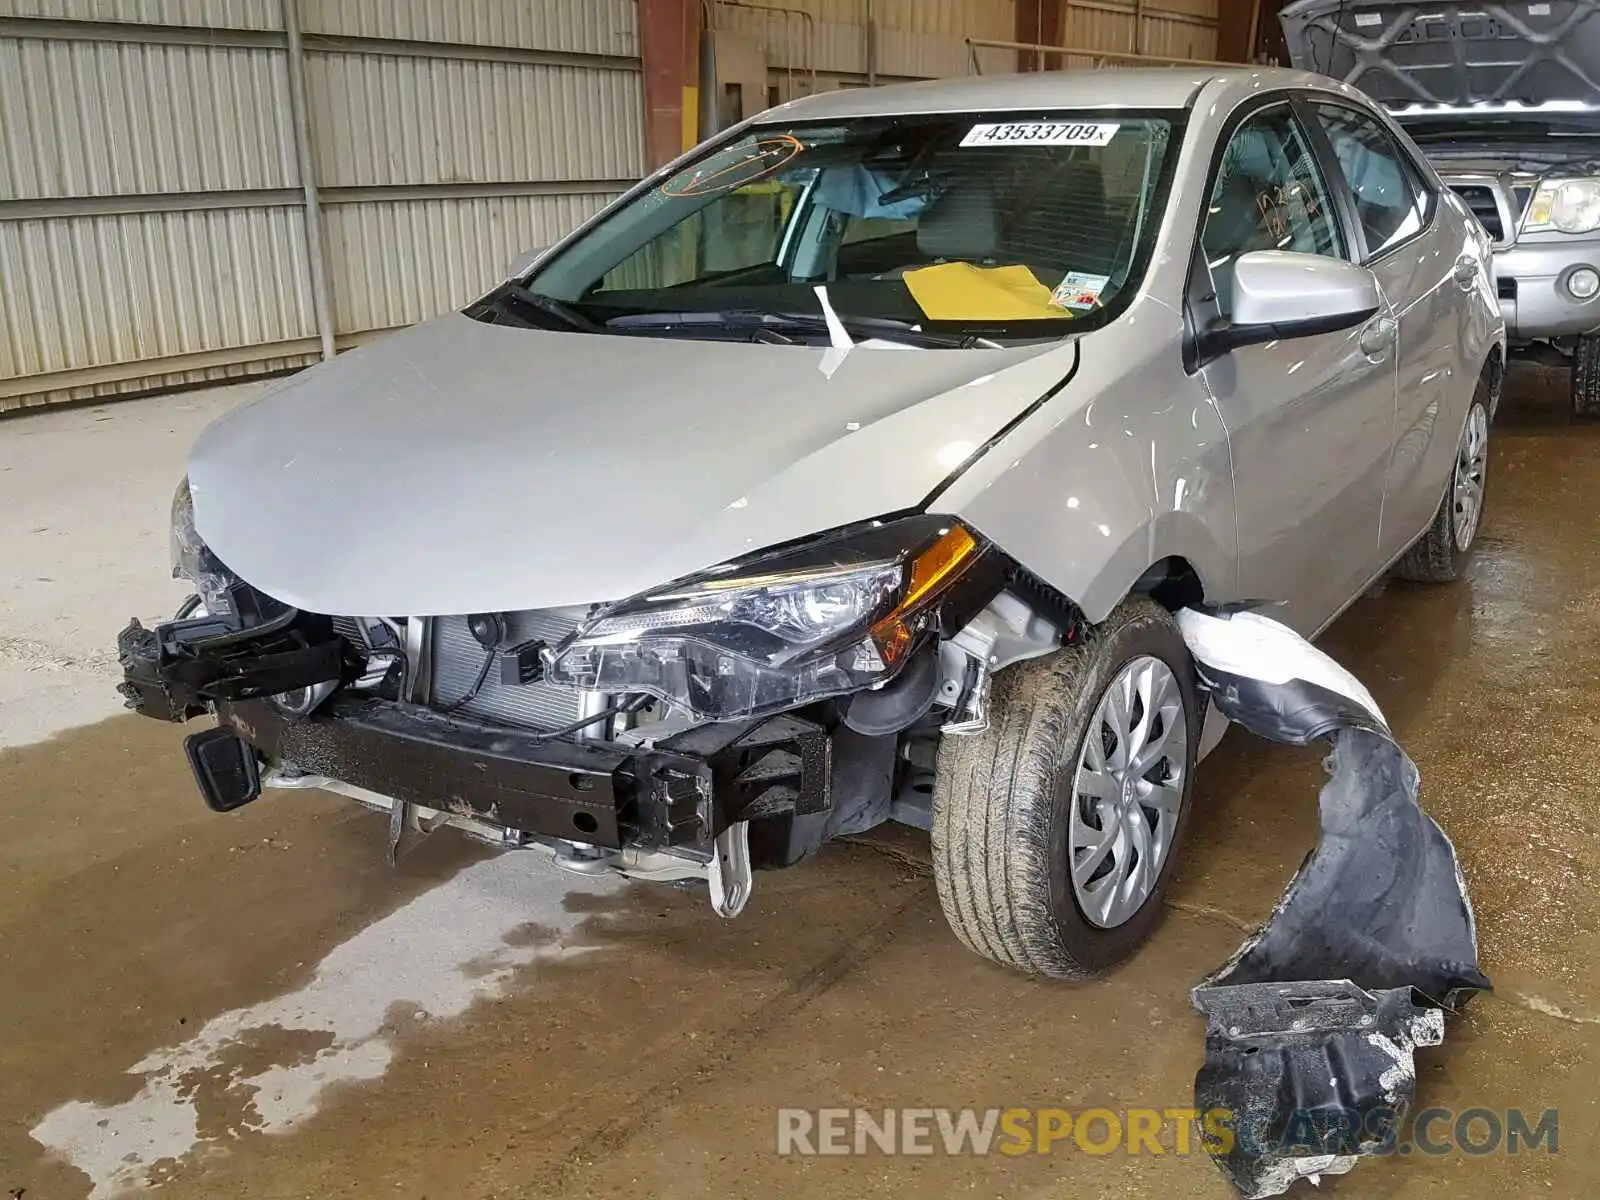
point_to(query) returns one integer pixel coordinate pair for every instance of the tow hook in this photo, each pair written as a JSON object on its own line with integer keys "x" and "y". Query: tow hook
{"x": 731, "y": 879}
{"x": 728, "y": 875}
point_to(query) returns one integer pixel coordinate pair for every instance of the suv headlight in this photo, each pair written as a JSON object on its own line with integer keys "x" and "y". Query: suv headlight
{"x": 1570, "y": 205}
{"x": 193, "y": 560}
{"x": 776, "y": 631}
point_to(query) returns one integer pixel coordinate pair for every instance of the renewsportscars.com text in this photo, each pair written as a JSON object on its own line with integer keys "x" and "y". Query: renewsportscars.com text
{"x": 1180, "y": 1131}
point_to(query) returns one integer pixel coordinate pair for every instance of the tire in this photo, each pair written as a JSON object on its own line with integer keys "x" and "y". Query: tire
{"x": 1444, "y": 552}
{"x": 1004, "y": 800}
{"x": 1586, "y": 377}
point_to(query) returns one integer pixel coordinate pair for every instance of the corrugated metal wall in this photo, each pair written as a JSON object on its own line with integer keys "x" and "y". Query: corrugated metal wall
{"x": 913, "y": 39}
{"x": 1169, "y": 28}
{"x": 152, "y": 223}
{"x": 926, "y": 39}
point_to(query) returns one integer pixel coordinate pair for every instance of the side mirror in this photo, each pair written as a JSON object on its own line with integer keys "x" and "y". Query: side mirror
{"x": 524, "y": 262}
{"x": 1281, "y": 294}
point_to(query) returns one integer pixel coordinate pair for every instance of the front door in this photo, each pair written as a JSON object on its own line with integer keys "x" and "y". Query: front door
{"x": 1310, "y": 420}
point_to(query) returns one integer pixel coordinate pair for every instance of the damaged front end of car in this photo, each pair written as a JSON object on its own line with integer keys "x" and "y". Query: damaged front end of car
{"x": 1312, "y": 1026}
{"x": 728, "y": 722}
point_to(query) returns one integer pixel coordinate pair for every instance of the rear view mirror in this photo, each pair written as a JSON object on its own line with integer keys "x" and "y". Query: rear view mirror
{"x": 524, "y": 262}
{"x": 1282, "y": 294}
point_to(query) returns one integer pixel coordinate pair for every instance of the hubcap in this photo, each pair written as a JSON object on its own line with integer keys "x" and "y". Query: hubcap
{"x": 1472, "y": 462}
{"x": 1127, "y": 792}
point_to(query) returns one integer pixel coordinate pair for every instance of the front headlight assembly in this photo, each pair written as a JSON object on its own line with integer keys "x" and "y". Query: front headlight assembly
{"x": 777, "y": 631}
{"x": 1570, "y": 205}
{"x": 193, "y": 560}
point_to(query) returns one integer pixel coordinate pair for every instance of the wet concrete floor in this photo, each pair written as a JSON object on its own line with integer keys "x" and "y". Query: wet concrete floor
{"x": 257, "y": 1006}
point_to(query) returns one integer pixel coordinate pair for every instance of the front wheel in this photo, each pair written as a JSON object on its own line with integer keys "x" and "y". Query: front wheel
{"x": 1054, "y": 830}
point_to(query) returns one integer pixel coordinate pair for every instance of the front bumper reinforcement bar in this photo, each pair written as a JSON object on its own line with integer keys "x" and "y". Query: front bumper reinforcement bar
{"x": 679, "y": 795}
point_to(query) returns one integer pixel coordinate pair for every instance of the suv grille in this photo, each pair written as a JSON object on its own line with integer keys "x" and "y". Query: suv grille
{"x": 1481, "y": 200}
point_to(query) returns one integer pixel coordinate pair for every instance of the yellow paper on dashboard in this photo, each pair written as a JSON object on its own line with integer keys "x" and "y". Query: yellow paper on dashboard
{"x": 959, "y": 291}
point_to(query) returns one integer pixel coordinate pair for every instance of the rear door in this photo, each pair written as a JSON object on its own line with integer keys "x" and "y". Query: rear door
{"x": 1310, "y": 420}
{"x": 1422, "y": 270}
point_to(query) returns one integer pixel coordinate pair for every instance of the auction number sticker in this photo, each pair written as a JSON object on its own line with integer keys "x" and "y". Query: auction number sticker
{"x": 1042, "y": 133}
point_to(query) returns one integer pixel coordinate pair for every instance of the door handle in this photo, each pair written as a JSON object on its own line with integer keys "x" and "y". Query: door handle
{"x": 1466, "y": 272}
{"x": 1378, "y": 337}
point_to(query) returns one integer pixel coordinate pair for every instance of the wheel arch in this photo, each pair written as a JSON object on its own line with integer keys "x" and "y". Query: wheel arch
{"x": 1172, "y": 582}
{"x": 1494, "y": 374}
{"x": 1174, "y": 560}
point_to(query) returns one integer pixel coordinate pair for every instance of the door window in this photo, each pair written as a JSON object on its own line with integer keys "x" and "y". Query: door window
{"x": 1269, "y": 195}
{"x": 1391, "y": 198}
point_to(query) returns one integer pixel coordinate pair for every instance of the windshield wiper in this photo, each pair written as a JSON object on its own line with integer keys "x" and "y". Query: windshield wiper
{"x": 758, "y": 329}
{"x": 888, "y": 329}
{"x": 551, "y": 307}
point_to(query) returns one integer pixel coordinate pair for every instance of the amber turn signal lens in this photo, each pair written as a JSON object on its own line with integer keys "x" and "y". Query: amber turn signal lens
{"x": 937, "y": 565}
{"x": 931, "y": 571}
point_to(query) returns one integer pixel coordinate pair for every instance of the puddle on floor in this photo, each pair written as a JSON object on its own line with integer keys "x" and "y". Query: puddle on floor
{"x": 430, "y": 960}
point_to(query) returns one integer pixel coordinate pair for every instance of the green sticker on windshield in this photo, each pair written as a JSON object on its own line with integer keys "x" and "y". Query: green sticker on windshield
{"x": 1079, "y": 291}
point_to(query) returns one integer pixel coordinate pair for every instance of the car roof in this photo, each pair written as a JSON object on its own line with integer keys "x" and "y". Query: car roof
{"x": 1141, "y": 87}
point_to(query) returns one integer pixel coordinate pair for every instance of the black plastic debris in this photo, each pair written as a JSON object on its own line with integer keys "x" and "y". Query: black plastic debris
{"x": 1313, "y": 1024}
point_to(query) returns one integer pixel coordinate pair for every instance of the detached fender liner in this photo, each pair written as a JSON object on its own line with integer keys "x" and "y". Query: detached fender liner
{"x": 1315, "y": 1075}
{"x": 1313, "y": 1023}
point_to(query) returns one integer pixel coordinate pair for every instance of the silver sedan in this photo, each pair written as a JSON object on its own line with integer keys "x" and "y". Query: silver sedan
{"x": 852, "y": 469}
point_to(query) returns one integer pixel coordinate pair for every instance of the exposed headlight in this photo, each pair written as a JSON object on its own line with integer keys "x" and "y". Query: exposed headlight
{"x": 778, "y": 631}
{"x": 192, "y": 560}
{"x": 1570, "y": 205}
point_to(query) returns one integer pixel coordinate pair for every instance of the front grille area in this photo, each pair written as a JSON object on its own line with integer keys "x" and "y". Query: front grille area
{"x": 457, "y": 659}
{"x": 349, "y": 629}
{"x": 1481, "y": 200}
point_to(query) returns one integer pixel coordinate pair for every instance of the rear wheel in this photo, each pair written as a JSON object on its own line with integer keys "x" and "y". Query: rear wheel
{"x": 1586, "y": 377}
{"x": 1054, "y": 830}
{"x": 1442, "y": 554}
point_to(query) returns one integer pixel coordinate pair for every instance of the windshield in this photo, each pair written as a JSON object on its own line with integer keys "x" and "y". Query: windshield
{"x": 978, "y": 226}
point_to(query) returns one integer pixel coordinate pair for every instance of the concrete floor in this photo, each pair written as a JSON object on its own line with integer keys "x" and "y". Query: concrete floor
{"x": 256, "y": 1006}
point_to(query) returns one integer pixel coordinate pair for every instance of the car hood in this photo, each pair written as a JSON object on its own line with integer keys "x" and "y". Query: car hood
{"x": 1405, "y": 55}
{"x": 463, "y": 467}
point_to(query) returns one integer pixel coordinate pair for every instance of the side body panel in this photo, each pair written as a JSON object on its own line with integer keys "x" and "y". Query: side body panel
{"x": 1439, "y": 284}
{"x": 1267, "y": 471}
{"x": 1126, "y": 466}
{"x": 1437, "y": 373}
{"x": 1447, "y": 335}
{"x": 1312, "y": 422}
{"x": 1130, "y": 463}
